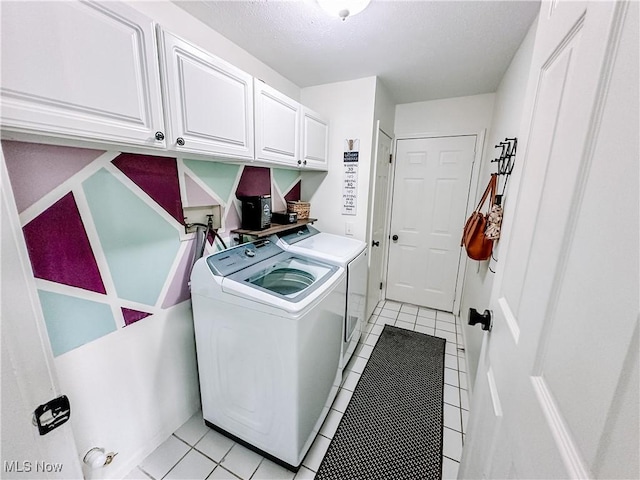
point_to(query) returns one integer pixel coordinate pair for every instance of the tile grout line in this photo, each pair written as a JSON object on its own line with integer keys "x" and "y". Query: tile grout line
{"x": 181, "y": 458}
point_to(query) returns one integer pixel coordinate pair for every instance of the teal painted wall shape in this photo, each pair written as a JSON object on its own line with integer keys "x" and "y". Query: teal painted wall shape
{"x": 139, "y": 244}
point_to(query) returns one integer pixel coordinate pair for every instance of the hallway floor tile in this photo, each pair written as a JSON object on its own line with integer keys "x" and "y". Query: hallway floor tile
{"x": 196, "y": 452}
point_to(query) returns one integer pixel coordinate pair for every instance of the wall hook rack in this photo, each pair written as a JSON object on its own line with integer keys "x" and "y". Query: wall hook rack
{"x": 507, "y": 156}
{"x": 505, "y": 162}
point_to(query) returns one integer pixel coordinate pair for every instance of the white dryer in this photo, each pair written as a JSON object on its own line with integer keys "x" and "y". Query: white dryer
{"x": 350, "y": 254}
{"x": 268, "y": 325}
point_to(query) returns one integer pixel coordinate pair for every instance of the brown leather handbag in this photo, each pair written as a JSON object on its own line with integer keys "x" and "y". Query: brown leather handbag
{"x": 474, "y": 240}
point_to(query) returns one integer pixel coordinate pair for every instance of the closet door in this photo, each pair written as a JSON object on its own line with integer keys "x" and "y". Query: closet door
{"x": 80, "y": 70}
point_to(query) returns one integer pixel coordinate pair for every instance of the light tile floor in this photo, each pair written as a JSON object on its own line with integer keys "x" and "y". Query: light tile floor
{"x": 195, "y": 451}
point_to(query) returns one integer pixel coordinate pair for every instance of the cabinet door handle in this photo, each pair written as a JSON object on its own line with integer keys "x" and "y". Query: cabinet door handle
{"x": 159, "y": 136}
{"x": 305, "y": 162}
{"x": 374, "y": 243}
{"x": 180, "y": 141}
{"x": 394, "y": 238}
{"x": 299, "y": 162}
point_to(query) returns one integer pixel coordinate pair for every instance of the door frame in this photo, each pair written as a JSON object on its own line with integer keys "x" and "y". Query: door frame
{"x": 471, "y": 196}
{"x": 386, "y": 217}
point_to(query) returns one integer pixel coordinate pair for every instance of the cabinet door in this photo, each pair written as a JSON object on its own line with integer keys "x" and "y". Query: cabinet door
{"x": 80, "y": 70}
{"x": 209, "y": 102}
{"x": 277, "y": 126}
{"x": 315, "y": 140}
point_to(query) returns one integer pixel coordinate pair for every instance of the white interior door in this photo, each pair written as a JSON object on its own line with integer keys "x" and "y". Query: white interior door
{"x": 28, "y": 376}
{"x": 557, "y": 388}
{"x": 378, "y": 242}
{"x": 430, "y": 193}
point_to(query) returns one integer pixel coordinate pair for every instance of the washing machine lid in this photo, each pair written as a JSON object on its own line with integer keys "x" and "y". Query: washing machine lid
{"x": 327, "y": 246}
{"x": 287, "y": 277}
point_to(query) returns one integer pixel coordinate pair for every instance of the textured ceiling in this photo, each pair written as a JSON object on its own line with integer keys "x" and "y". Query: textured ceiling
{"x": 422, "y": 50}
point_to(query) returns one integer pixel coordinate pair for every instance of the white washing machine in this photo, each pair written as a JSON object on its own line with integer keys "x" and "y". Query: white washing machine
{"x": 350, "y": 254}
{"x": 268, "y": 325}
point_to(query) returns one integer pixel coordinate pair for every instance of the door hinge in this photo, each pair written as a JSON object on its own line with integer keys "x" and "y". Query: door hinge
{"x": 380, "y": 285}
{"x": 391, "y": 158}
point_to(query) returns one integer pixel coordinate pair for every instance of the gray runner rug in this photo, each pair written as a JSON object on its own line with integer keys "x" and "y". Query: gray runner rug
{"x": 392, "y": 428}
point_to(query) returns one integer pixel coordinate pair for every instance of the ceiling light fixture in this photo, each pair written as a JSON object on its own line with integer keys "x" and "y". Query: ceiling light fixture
{"x": 343, "y": 8}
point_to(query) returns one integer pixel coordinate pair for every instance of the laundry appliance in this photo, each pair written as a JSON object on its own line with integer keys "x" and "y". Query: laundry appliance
{"x": 268, "y": 328}
{"x": 350, "y": 254}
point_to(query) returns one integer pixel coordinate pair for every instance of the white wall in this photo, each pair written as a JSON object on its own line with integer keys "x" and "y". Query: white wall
{"x": 458, "y": 115}
{"x": 507, "y": 119}
{"x": 179, "y": 22}
{"x": 350, "y": 108}
{"x": 131, "y": 389}
{"x": 384, "y": 109}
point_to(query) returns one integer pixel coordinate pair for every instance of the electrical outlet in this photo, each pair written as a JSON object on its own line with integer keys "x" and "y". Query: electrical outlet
{"x": 194, "y": 215}
{"x": 348, "y": 228}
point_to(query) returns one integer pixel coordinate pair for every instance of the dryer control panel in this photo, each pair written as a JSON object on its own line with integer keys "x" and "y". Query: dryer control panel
{"x": 242, "y": 256}
{"x": 291, "y": 237}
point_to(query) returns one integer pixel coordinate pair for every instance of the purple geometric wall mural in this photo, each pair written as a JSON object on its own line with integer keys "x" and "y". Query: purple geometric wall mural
{"x": 59, "y": 248}
{"x": 179, "y": 289}
{"x": 233, "y": 219}
{"x": 35, "y": 169}
{"x": 254, "y": 181}
{"x": 196, "y": 196}
{"x": 277, "y": 202}
{"x": 157, "y": 176}
{"x": 293, "y": 194}
{"x": 132, "y": 316}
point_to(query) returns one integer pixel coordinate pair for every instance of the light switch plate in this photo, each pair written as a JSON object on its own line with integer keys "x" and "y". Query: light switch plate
{"x": 348, "y": 228}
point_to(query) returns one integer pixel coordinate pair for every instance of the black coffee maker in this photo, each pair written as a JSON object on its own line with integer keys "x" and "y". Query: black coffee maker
{"x": 256, "y": 212}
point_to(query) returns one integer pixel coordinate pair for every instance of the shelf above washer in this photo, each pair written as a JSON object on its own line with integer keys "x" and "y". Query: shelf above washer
{"x": 275, "y": 228}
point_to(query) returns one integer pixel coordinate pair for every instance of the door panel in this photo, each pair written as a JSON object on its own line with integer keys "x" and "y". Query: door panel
{"x": 377, "y": 247}
{"x": 315, "y": 140}
{"x": 80, "y": 70}
{"x": 210, "y": 102}
{"x": 563, "y": 350}
{"x": 431, "y": 189}
{"x": 277, "y": 126}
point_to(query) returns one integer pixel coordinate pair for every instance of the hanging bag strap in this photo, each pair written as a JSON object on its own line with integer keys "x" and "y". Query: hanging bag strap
{"x": 490, "y": 190}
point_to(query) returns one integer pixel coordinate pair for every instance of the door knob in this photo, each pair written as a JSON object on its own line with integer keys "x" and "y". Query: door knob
{"x": 483, "y": 319}
{"x": 159, "y": 136}
{"x": 394, "y": 238}
{"x": 180, "y": 141}
{"x": 374, "y": 243}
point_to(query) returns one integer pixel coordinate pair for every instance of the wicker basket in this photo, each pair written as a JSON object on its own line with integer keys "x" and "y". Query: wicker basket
{"x": 301, "y": 208}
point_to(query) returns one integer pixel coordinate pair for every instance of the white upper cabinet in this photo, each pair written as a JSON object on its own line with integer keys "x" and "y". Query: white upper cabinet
{"x": 315, "y": 140}
{"x": 80, "y": 71}
{"x": 208, "y": 102}
{"x": 277, "y": 126}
